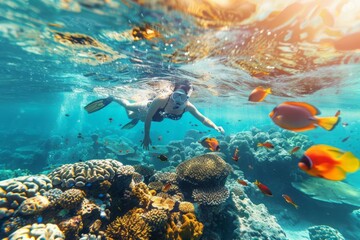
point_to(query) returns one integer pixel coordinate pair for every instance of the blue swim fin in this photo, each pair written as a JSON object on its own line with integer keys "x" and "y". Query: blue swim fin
{"x": 98, "y": 104}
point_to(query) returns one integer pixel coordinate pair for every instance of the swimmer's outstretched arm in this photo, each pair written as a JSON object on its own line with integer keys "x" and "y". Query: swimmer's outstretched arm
{"x": 207, "y": 122}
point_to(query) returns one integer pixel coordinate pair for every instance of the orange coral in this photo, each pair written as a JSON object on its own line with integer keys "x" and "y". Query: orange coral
{"x": 189, "y": 228}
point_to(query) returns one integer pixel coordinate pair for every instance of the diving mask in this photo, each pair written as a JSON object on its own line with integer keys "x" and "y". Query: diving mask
{"x": 179, "y": 97}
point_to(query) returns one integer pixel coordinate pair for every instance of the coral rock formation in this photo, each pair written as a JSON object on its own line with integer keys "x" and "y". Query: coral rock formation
{"x": 38, "y": 232}
{"x": 71, "y": 198}
{"x": 184, "y": 227}
{"x": 324, "y": 232}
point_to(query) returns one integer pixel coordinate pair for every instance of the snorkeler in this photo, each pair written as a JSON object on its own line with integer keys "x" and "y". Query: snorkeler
{"x": 171, "y": 106}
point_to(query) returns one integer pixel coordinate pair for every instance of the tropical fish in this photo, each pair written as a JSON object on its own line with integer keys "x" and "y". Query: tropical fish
{"x": 266, "y": 144}
{"x": 289, "y": 200}
{"x": 295, "y": 149}
{"x": 328, "y": 162}
{"x": 159, "y": 138}
{"x": 210, "y": 143}
{"x": 163, "y": 158}
{"x": 110, "y": 120}
{"x": 166, "y": 187}
{"x": 345, "y": 124}
{"x": 337, "y": 113}
{"x": 300, "y": 116}
{"x": 67, "y": 115}
{"x": 242, "y": 182}
{"x": 345, "y": 139}
{"x": 235, "y": 157}
{"x": 264, "y": 189}
{"x": 259, "y": 94}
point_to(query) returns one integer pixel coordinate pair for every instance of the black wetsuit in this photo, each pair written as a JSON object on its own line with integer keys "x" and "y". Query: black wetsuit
{"x": 161, "y": 114}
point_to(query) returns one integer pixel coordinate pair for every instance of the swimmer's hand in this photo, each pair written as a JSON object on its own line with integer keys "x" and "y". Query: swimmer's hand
{"x": 220, "y": 130}
{"x": 146, "y": 142}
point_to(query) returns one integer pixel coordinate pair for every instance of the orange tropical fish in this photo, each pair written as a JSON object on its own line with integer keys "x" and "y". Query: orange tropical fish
{"x": 210, "y": 143}
{"x": 259, "y": 94}
{"x": 264, "y": 189}
{"x": 300, "y": 116}
{"x": 235, "y": 157}
{"x": 242, "y": 182}
{"x": 266, "y": 144}
{"x": 289, "y": 200}
{"x": 295, "y": 149}
{"x": 328, "y": 162}
{"x": 337, "y": 113}
{"x": 166, "y": 187}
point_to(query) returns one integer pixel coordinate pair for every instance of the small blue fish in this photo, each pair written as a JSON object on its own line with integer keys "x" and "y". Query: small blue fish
{"x": 88, "y": 185}
{"x": 39, "y": 219}
{"x": 101, "y": 195}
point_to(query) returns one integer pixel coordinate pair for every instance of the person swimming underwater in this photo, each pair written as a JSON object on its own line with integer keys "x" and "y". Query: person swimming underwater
{"x": 171, "y": 106}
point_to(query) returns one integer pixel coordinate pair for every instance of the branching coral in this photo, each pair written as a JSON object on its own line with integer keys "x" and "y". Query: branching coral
{"x": 188, "y": 228}
{"x": 128, "y": 227}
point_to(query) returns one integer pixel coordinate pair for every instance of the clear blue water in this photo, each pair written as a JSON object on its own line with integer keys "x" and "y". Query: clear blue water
{"x": 43, "y": 79}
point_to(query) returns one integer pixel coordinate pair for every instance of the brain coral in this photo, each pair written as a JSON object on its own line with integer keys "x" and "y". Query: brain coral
{"x": 14, "y": 191}
{"x": 81, "y": 173}
{"x": 38, "y": 232}
{"x": 71, "y": 198}
{"x": 156, "y": 219}
{"x": 33, "y": 205}
{"x": 203, "y": 171}
{"x": 129, "y": 227}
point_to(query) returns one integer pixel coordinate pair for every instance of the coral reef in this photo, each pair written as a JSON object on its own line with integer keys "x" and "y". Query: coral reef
{"x": 71, "y": 198}
{"x": 128, "y": 227}
{"x": 145, "y": 171}
{"x": 186, "y": 207}
{"x": 204, "y": 177}
{"x": 184, "y": 227}
{"x": 82, "y": 173}
{"x": 254, "y": 221}
{"x": 14, "y": 191}
{"x": 38, "y": 231}
{"x": 71, "y": 227}
{"x": 324, "y": 232}
{"x": 156, "y": 219}
{"x": 53, "y": 195}
{"x": 33, "y": 205}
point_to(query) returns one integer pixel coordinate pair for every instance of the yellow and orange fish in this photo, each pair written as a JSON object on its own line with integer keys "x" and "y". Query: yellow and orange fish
{"x": 166, "y": 187}
{"x": 289, "y": 200}
{"x": 328, "y": 162}
{"x": 235, "y": 157}
{"x": 266, "y": 144}
{"x": 242, "y": 182}
{"x": 300, "y": 116}
{"x": 294, "y": 150}
{"x": 264, "y": 189}
{"x": 259, "y": 94}
{"x": 210, "y": 143}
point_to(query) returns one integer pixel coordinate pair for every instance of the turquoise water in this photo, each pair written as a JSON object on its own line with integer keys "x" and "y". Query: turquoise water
{"x": 225, "y": 49}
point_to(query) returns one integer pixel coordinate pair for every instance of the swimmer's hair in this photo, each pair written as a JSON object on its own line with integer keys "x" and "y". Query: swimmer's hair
{"x": 183, "y": 84}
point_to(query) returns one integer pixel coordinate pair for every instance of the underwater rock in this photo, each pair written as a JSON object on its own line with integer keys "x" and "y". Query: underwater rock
{"x": 254, "y": 221}
{"x": 82, "y": 173}
{"x": 38, "y": 232}
{"x": 202, "y": 175}
{"x": 324, "y": 232}
{"x": 14, "y": 191}
{"x": 329, "y": 191}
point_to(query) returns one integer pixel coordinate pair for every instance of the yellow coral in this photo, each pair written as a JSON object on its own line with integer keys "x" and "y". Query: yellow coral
{"x": 142, "y": 193}
{"x": 186, "y": 207}
{"x": 187, "y": 229}
{"x": 129, "y": 227}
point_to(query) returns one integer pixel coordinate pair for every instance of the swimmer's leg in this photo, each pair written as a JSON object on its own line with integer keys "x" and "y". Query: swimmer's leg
{"x": 132, "y": 109}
